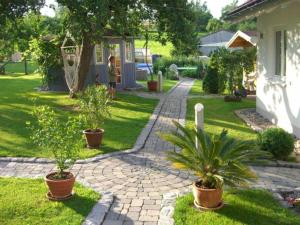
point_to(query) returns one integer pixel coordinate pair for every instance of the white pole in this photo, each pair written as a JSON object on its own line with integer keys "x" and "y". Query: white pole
{"x": 199, "y": 116}
{"x": 160, "y": 81}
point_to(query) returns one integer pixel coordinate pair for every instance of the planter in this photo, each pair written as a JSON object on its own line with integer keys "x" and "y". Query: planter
{"x": 60, "y": 189}
{"x": 152, "y": 85}
{"x": 232, "y": 98}
{"x": 207, "y": 198}
{"x": 93, "y": 138}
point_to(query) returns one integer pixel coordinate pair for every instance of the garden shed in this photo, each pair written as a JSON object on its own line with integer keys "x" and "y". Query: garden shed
{"x": 124, "y": 51}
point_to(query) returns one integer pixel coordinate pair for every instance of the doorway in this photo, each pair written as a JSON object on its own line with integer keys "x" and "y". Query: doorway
{"x": 114, "y": 50}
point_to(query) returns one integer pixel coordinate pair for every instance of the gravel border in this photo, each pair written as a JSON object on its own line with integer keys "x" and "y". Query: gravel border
{"x": 139, "y": 144}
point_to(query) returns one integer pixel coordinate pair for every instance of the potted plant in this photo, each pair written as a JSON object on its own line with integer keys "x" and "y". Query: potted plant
{"x": 215, "y": 159}
{"x": 94, "y": 107}
{"x": 152, "y": 84}
{"x": 64, "y": 141}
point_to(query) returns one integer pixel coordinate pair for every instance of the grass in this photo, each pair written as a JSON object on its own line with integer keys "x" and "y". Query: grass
{"x": 156, "y": 47}
{"x": 197, "y": 88}
{"x": 129, "y": 115}
{"x": 242, "y": 207}
{"x": 19, "y": 67}
{"x": 219, "y": 115}
{"x": 167, "y": 84}
{"x": 23, "y": 201}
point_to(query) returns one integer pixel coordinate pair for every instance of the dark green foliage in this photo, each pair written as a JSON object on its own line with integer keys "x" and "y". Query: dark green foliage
{"x": 230, "y": 65}
{"x": 190, "y": 73}
{"x": 203, "y": 15}
{"x": 164, "y": 63}
{"x": 46, "y": 52}
{"x": 210, "y": 82}
{"x": 277, "y": 141}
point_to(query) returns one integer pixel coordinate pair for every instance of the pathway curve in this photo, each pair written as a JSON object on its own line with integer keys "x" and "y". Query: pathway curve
{"x": 139, "y": 180}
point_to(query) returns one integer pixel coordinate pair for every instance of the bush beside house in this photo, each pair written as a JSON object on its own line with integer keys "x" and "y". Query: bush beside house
{"x": 276, "y": 141}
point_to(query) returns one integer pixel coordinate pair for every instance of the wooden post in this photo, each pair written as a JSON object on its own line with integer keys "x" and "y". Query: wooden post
{"x": 25, "y": 66}
{"x": 160, "y": 81}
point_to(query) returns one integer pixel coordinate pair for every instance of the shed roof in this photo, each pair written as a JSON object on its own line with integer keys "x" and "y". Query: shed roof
{"x": 242, "y": 39}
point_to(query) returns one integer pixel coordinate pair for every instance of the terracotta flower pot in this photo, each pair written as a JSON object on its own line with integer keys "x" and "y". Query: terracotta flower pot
{"x": 93, "y": 138}
{"x": 208, "y": 198}
{"x": 152, "y": 85}
{"x": 60, "y": 188}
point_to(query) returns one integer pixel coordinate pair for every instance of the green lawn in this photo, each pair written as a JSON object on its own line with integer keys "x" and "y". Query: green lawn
{"x": 24, "y": 202}
{"x": 167, "y": 84}
{"x": 129, "y": 115}
{"x": 219, "y": 114}
{"x": 197, "y": 88}
{"x": 155, "y": 47}
{"x": 19, "y": 67}
{"x": 243, "y": 207}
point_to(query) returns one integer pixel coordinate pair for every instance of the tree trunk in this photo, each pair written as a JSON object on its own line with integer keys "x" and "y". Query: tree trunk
{"x": 84, "y": 61}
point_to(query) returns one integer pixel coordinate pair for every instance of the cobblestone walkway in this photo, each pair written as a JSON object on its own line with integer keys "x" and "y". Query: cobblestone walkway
{"x": 139, "y": 180}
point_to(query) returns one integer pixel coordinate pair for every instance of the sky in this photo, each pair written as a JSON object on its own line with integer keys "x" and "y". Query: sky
{"x": 215, "y": 6}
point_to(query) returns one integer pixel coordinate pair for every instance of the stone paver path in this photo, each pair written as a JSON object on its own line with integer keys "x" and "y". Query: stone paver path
{"x": 139, "y": 180}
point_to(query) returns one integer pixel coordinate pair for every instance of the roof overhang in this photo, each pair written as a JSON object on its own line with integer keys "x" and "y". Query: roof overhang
{"x": 254, "y": 8}
{"x": 241, "y": 40}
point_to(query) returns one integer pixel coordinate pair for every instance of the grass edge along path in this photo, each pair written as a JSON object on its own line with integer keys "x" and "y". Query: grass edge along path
{"x": 242, "y": 207}
{"x": 23, "y": 201}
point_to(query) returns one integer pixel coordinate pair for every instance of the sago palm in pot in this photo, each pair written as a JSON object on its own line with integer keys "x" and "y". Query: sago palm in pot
{"x": 216, "y": 160}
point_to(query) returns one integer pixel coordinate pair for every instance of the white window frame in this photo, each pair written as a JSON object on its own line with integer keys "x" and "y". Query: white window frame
{"x": 101, "y": 46}
{"x": 283, "y": 50}
{"x": 131, "y": 50}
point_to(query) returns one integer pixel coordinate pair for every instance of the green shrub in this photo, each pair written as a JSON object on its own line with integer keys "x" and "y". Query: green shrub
{"x": 95, "y": 106}
{"x": 190, "y": 73}
{"x": 164, "y": 63}
{"x": 210, "y": 82}
{"x": 277, "y": 141}
{"x": 63, "y": 139}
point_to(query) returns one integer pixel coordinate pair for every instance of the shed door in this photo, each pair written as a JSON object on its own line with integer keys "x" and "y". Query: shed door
{"x": 114, "y": 50}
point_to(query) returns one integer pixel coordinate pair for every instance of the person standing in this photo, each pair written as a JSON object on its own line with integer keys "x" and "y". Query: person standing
{"x": 112, "y": 76}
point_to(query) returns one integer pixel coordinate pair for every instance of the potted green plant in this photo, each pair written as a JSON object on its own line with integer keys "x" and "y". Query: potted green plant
{"x": 152, "y": 84}
{"x": 64, "y": 141}
{"x": 95, "y": 108}
{"x": 215, "y": 159}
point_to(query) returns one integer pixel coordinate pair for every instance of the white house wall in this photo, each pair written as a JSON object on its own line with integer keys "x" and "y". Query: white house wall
{"x": 278, "y": 98}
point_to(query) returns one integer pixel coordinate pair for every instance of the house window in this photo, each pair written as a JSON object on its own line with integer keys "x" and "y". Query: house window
{"x": 99, "y": 53}
{"x": 280, "y": 52}
{"x": 128, "y": 52}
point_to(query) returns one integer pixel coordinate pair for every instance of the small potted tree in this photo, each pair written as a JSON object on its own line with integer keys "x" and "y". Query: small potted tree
{"x": 215, "y": 159}
{"x": 64, "y": 141}
{"x": 94, "y": 107}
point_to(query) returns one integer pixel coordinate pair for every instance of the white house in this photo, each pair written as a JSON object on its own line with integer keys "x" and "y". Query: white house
{"x": 278, "y": 62}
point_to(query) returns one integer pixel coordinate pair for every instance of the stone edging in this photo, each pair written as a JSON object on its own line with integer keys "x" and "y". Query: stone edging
{"x": 139, "y": 144}
{"x": 97, "y": 215}
{"x": 253, "y": 126}
{"x": 168, "y": 206}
